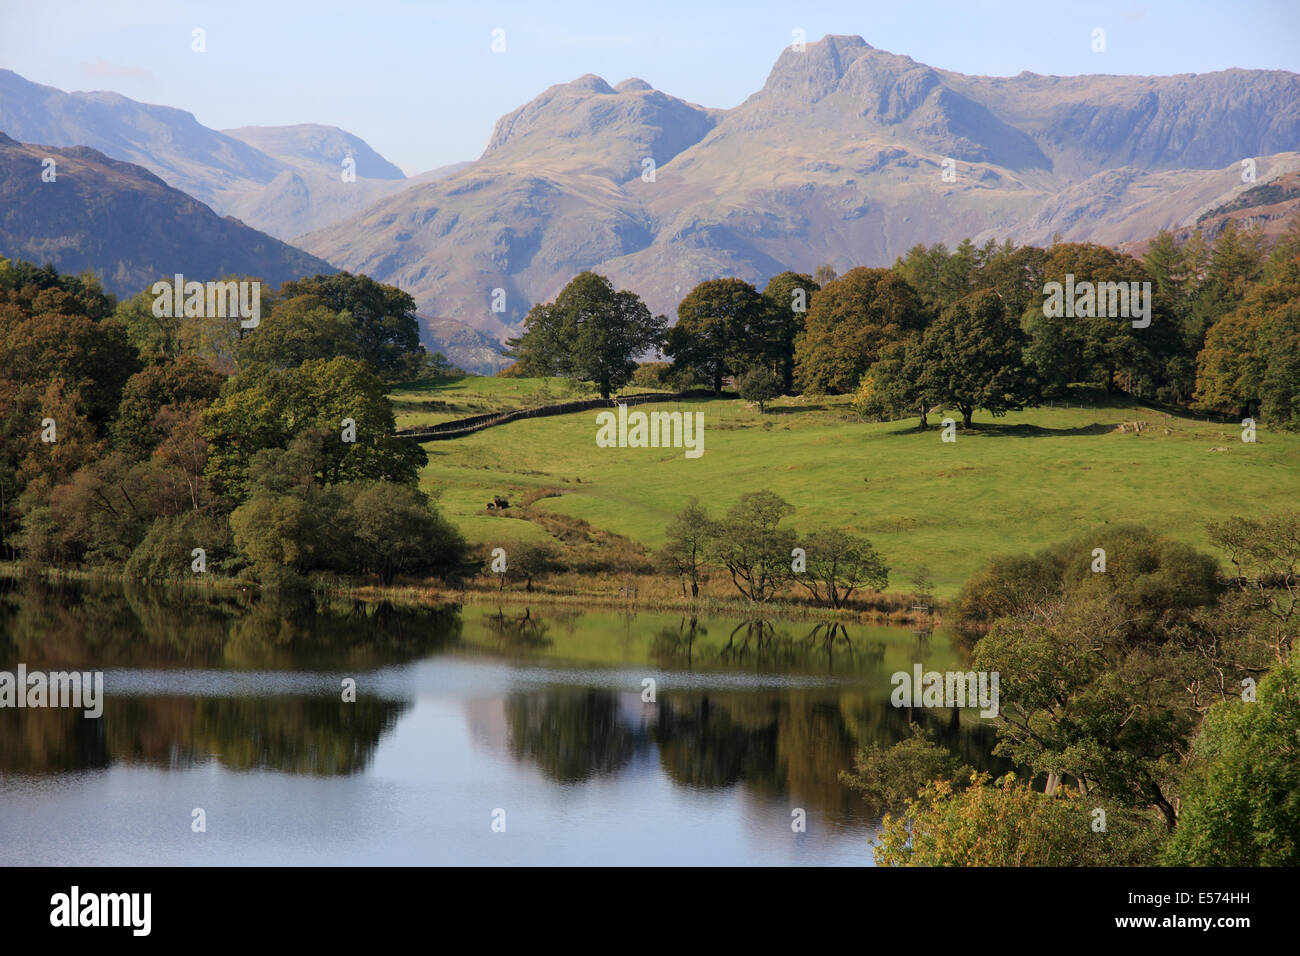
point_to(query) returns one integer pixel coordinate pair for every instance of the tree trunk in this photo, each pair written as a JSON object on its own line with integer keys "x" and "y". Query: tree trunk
{"x": 967, "y": 412}
{"x": 717, "y": 382}
{"x": 1166, "y": 808}
{"x": 604, "y": 389}
{"x": 924, "y": 423}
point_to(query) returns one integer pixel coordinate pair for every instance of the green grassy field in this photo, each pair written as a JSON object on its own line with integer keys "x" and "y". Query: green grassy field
{"x": 1013, "y": 484}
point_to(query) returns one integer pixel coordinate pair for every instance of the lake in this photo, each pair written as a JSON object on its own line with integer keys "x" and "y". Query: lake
{"x": 478, "y": 735}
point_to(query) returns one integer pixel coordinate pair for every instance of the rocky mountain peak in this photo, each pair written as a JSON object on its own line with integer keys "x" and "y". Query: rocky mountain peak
{"x": 816, "y": 70}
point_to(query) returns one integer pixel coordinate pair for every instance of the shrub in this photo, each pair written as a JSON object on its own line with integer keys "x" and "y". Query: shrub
{"x": 759, "y": 385}
{"x": 167, "y": 551}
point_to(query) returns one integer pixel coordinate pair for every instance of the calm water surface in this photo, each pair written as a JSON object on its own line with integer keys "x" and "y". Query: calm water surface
{"x": 235, "y": 706}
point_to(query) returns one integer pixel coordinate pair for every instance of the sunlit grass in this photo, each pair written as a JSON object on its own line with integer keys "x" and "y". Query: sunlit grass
{"x": 1012, "y": 484}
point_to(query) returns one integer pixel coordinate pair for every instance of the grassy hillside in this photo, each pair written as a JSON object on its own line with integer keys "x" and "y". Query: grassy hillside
{"x": 429, "y": 402}
{"x": 1013, "y": 484}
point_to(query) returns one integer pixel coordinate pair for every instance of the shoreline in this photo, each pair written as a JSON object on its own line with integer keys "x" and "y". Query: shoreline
{"x": 427, "y": 594}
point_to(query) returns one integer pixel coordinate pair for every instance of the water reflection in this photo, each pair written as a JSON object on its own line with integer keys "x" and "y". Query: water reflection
{"x": 573, "y": 734}
{"x": 309, "y": 735}
{"x": 770, "y": 646}
{"x": 785, "y": 747}
{"x": 516, "y": 632}
{"x": 769, "y": 710}
{"x": 86, "y": 627}
{"x": 101, "y": 626}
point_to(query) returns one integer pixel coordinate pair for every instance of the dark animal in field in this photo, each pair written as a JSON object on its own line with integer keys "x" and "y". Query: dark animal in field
{"x": 498, "y": 504}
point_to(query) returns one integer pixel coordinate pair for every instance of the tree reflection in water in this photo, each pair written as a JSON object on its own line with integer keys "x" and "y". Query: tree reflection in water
{"x": 778, "y": 742}
{"x": 518, "y": 633}
{"x": 775, "y": 708}
{"x": 94, "y": 627}
{"x": 827, "y": 647}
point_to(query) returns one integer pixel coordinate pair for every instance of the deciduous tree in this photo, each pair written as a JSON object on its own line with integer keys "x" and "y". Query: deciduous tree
{"x": 589, "y": 333}
{"x": 849, "y": 321}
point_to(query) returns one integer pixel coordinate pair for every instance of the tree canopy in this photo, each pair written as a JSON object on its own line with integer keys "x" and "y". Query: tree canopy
{"x": 591, "y": 332}
{"x": 849, "y": 321}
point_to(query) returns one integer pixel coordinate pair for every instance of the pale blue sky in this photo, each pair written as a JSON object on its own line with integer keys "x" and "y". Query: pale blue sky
{"x": 418, "y": 80}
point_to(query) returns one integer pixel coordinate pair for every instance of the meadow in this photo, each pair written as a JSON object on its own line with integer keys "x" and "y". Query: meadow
{"x": 1011, "y": 484}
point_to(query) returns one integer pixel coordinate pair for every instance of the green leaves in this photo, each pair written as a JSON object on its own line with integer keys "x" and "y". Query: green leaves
{"x": 759, "y": 385}
{"x": 721, "y": 330}
{"x": 972, "y": 357}
{"x": 752, "y": 546}
{"x": 1249, "y": 363}
{"x": 264, "y": 408}
{"x": 589, "y": 333}
{"x": 840, "y": 563}
{"x": 1009, "y": 823}
{"x": 1241, "y": 802}
{"x": 889, "y": 778}
{"x": 361, "y": 527}
{"x": 848, "y": 323}
{"x": 379, "y": 323}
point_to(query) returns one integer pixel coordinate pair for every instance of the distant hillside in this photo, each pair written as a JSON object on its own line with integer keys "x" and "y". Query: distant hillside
{"x": 283, "y": 180}
{"x": 553, "y": 194}
{"x": 1270, "y": 207}
{"x": 847, "y": 155}
{"x": 319, "y": 147}
{"x": 465, "y": 346}
{"x": 126, "y": 224}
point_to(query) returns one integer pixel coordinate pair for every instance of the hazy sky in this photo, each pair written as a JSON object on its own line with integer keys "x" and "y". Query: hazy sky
{"x": 420, "y": 83}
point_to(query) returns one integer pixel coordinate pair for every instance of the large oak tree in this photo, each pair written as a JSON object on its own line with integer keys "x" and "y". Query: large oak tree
{"x": 591, "y": 332}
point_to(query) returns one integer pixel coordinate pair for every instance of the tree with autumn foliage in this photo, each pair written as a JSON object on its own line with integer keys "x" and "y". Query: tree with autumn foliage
{"x": 848, "y": 323}
{"x": 1250, "y": 364}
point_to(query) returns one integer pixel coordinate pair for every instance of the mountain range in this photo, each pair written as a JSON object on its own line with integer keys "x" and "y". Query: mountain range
{"x": 847, "y": 155}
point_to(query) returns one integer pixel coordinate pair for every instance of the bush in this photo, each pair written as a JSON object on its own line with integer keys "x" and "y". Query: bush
{"x": 365, "y": 527}
{"x": 283, "y": 536}
{"x": 529, "y": 560}
{"x": 1009, "y": 823}
{"x": 759, "y": 385}
{"x": 167, "y": 551}
{"x": 653, "y": 375}
{"x": 890, "y": 778}
{"x": 1007, "y": 586}
{"x": 1148, "y": 576}
{"x": 395, "y": 531}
